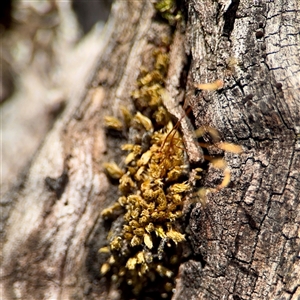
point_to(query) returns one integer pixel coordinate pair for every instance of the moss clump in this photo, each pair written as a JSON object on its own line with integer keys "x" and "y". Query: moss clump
{"x": 168, "y": 10}
{"x": 152, "y": 196}
{"x": 152, "y": 187}
{"x": 145, "y": 244}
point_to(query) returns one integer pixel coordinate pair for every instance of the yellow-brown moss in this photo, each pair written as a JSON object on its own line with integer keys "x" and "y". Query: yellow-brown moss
{"x": 152, "y": 187}
{"x": 152, "y": 182}
{"x": 152, "y": 196}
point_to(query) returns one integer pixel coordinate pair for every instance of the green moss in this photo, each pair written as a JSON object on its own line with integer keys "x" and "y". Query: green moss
{"x": 168, "y": 10}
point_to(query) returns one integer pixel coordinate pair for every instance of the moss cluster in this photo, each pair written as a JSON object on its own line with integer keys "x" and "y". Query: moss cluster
{"x": 144, "y": 242}
{"x": 144, "y": 245}
{"x": 168, "y": 10}
{"x": 152, "y": 188}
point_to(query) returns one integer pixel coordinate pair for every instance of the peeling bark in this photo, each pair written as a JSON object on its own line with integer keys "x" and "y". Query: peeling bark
{"x": 245, "y": 243}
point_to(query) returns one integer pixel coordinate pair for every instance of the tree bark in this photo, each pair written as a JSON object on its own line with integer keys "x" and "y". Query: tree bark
{"x": 250, "y": 245}
{"x": 245, "y": 241}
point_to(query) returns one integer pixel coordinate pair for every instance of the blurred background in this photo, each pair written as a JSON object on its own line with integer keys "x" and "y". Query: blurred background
{"x": 49, "y": 51}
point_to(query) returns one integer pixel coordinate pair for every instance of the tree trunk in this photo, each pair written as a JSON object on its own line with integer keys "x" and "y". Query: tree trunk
{"x": 245, "y": 240}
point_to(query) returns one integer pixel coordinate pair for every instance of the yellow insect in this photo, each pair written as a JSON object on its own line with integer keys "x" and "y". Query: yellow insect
{"x": 211, "y": 86}
{"x": 218, "y": 163}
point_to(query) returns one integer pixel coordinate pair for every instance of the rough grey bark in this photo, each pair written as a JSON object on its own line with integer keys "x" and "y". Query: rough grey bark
{"x": 245, "y": 241}
{"x": 250, "y": 245}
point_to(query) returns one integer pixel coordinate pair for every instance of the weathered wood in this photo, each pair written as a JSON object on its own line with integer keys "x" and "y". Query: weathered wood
{"x": 51, "y": 245}
{"x": 246, "y": 241}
